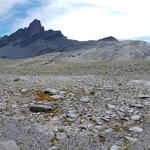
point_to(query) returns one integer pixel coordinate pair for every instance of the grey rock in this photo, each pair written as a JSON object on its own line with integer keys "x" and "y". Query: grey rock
{"x": 111, "y": 106}
{"x": 136, "y": 105}
{"x": 40, "y": 108}
{"x": 24, "y": 90}
{"x": 131, "y": 139}
{"x": 71, "y": 115}
{"x": 97, "y": 120}
{"x": 83, "y": 126}
{"x": 109, "y": 130}
{"x": 84, "y": 99}
{"x": 136, "y": 129}
{"x": 70, "y": 119}
{"x": 115, "y": 147}
{"x": 135, "y": 117}
{"x": 108, "y": 112}
{"x": 57, "y": 96}
{"x": 143, "y": 96}
{"x": 106, "y": 118}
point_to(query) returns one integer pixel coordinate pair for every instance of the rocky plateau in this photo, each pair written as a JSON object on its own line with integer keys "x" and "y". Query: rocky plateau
{"x": 62, "y": 94}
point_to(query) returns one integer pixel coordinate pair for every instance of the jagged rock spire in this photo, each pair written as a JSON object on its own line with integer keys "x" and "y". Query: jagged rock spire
{"x": 35, "y": 27}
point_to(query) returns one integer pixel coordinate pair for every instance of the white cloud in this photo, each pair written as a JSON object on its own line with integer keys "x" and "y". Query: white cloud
{"x": 86, "y": 19}
{"x": 5, "y": 6}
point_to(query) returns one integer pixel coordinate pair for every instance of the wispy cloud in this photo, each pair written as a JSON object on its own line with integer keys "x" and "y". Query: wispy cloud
{"x": 12, "y": 10}
{"x": 5, "y": 6}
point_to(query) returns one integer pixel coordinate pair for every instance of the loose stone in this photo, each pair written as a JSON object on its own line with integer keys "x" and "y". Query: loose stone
{"x": 136, "y": 129}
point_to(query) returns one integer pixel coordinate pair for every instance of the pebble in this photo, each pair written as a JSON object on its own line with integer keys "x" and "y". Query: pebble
{"x": 56, "y": 96}
{"x": 115, "y": 147}
{"x": 136, "y": 117}
{"x": 111, "y": 106}
{"x": 84, "y": 99}
{"x": 70, "y": 119}
{"x": 108, "y": 112}
{"x": 131, "y": 139}
{"x": 23, "y": 90}
{"x": 71, "y": 115}
{"x": 82, "y": 126}
{"x": 130, "y": 110}
{"x": 109, "y": 130}
{"x": 136, "y": 129}
{"x": 106, "y": 118}
{"x": 97, "y": 120}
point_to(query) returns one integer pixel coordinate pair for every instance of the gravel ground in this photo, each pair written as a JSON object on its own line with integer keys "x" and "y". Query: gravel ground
{"x": 85, "y": 112}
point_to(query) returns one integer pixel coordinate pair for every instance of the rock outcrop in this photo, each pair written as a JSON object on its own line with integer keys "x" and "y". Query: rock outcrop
{"x": 26, "y": 36}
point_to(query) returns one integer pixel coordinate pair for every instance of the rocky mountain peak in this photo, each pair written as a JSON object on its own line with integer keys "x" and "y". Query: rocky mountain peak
{"x": 35, "y": 22}
{"x": 26, "y": 36}
{"x": 35, "y": 27}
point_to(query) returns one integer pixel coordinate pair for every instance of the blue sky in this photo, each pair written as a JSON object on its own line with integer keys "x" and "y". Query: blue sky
{"x": 16, "y": 11}
{"x": 80, "y": 19}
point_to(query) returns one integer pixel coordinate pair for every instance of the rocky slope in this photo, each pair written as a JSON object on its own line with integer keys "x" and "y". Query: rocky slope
{"x": 34, "y": 41}
{"x": 50, "y": 104}
{"x": 68, "y": 112}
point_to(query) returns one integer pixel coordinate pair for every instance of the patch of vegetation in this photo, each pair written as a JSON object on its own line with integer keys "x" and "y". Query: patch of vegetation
{"x": 28, "y": 72}
{"x": 17, "y": 79}
{"x": 53, "y": 140}
{"x": 40, "y": 95}
{"x": 49, "y": 72}
{"x": 92, "y": 92}
{"x": 119, "y": 84}
{"x": 61, "y": 130}
{"x": 125, "y": 148}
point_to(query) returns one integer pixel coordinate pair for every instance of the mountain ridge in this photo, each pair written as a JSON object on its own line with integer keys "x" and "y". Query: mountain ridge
{"x": 34, "y": 41}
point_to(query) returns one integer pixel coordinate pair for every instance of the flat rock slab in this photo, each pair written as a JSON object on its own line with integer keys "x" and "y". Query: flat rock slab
{"x": 143, "y": 96}
{"x": 136, "y": 105}
{"x": 8, "y": 145}
{"x": 136, "y": 129}
{"x": 136, "y": 117}
{"x": 40, "y": 108}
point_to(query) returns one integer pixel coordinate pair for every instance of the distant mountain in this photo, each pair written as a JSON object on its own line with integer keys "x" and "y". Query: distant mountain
{"x": 34, "y": 41}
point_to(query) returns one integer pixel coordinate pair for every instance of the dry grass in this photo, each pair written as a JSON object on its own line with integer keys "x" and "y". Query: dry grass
{"x": 40, "y": 95}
